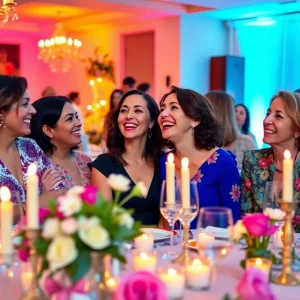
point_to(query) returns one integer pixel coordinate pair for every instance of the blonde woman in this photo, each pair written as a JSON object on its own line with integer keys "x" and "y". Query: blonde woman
{"x": 234, "y": 141}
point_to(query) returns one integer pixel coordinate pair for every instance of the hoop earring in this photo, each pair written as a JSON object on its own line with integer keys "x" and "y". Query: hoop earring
{"x": 150, "y": 133}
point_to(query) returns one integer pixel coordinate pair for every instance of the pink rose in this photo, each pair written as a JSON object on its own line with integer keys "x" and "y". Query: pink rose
{"x": 297, "y": 183}
{"x": 254, "y": 286}
{"x": 263, "y": 163}
{"x": 68, "y": 226}
{"x": 296, "y": 220}
{"x": 24, "y": 251}
{"x": 89, "y": 195}
{"x": 141, "y": 285}
{"x": 248, "y": 184}
{"x": 258, "y": 224}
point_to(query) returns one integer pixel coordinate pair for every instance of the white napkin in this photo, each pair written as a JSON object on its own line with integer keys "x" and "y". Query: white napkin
{"x": 219, "y": 232}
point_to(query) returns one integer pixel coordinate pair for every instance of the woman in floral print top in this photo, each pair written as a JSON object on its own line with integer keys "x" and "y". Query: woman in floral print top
{"x": 57, "y": 129}
{"x": 189, "y": 125}
{"x": 281, "y": 131}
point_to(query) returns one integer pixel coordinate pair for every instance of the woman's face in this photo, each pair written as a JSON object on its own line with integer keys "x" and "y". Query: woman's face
{"x": 134, "y": 118}
{"x": 279, "y": 128}
{"x": 17, "y": 119}
{"x": 240, "y": 115}
{"x": 67, "y": 132}
{"x": 173, "y": 122}
{"x": 116, "y": 97}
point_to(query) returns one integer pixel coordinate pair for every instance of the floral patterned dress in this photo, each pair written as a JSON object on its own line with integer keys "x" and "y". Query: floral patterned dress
{"x": 258, "y": 169}
{"x": 218, "y": 182}
{"x": 81, "y": 160}
{"x": 29, "y": 152}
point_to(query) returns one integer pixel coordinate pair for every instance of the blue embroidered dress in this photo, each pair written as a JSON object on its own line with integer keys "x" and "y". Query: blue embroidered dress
{"x": 218, "y": 182}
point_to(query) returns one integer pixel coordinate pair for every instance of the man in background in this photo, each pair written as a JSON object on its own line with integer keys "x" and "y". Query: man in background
{"x": 144, "y": 87}
{"x": 48, "y": 91}
{"x": 128, "y": 84}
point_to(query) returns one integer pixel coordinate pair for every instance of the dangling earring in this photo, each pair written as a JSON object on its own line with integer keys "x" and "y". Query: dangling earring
{"x": 150, "y": 133}
{"x": 2, "y": 123}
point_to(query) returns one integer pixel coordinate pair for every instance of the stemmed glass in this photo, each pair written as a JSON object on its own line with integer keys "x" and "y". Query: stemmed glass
{"x": 170, "y": 211}
{"x": 215, "y": 232}
{"x": 187, "y": 214}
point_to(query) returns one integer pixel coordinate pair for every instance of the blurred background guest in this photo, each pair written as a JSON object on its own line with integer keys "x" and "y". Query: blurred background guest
{"x": 18, "y": 152}
{"x": 144, "y": 87}
{"x": 281, "y": 132}
{"x": 128, "y": 84}
{"x": 223, "y": 106}
{"x": 48, "y": 91}
{"x": 57, "y": 130}
{"x": 242, "y": 116}
{"x": 6, "y": 66}
{"x": 134, "y": 148}
{"x": 189, "y": 125}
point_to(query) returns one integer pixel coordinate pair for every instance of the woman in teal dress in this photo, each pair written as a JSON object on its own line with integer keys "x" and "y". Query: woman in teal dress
{"x": 191, "y": 129}
{"x": 281, "y": 132}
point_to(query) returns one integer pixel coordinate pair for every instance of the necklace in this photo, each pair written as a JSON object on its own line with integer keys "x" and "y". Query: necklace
{"x": 280, "y": 171}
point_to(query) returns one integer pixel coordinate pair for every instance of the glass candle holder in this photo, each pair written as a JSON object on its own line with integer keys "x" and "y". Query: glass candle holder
{"x": 144, "y": 242}
{"x": 173, "y": 277}
{"x": 144, "y": 261}
{"x": 198, "y": 274}
{"x": 261, "y": 264}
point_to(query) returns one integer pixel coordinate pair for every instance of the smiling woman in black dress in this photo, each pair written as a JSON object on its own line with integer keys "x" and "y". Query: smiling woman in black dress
{"x": 134, "y": 148}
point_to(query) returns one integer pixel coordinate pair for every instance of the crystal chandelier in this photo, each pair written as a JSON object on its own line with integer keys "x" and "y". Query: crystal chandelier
{"x": 59, "y": 51}
{"x": 8, "y": 11}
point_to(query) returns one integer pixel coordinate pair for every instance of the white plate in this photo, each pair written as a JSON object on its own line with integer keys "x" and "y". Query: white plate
{"x": 159, "y": 234}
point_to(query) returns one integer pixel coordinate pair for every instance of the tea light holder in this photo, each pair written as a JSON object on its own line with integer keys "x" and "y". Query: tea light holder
{"x": 262, "y": 264}
{"x": 112, "y": 284}
{"x": 144, "y": 261}
{"x": 198, "y": 274}
{"x": 144, "y": 242}
{"x": 173, "y": 277}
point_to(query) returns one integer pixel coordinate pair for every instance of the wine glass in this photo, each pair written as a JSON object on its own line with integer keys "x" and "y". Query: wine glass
{"x": 215, "y": 232}
{"x": 169, "y": 209}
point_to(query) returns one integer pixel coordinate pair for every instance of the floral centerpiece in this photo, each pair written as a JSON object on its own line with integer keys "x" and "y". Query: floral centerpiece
{"x": 256, "y": 229}
{"x": 81, "y": 222}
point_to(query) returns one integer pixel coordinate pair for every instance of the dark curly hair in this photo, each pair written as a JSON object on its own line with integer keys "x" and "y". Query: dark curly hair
{"x": 48, "y": 111}
{"x": 115, "y": 140}
{"x": 208, "y": 134}
{"x": 246, "y": 126}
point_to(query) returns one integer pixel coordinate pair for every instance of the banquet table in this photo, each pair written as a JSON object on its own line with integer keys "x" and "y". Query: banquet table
{"x": 227, "y": 277}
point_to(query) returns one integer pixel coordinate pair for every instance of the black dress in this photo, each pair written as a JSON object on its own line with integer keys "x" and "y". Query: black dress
{"x": 146, "y": 209}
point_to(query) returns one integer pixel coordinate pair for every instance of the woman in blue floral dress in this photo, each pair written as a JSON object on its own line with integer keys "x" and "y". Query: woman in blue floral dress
{"x": 281, "y": 132}
{"x": 190, "y": 127}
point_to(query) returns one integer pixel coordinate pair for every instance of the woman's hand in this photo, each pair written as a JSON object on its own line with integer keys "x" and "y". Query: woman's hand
{"x": 50, "y": 179}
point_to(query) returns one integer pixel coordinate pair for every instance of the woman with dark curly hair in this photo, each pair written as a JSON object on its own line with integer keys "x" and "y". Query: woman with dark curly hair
{"x": 134, "y": 148}
{"x": 191, "y": 128}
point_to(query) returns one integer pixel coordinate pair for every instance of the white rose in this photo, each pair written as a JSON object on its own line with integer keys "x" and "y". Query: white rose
{"x": 119, "y": 183}
{"x": 69, "y": 205}
{"x": 68, "y": 226}
{"x": 75, "y": 191}
{"x": 275, "y": 214}
{"x": 238, "y": 230}
{"x": 92, "y": 233}
{"x": 61, "y": 252}
{"x": 126, "y": 220}
{"x": 142, "y": 190}
{"x": 51, "y": 228}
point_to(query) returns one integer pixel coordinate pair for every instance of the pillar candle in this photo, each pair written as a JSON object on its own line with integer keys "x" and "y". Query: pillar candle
{"x": 288, "y": 166}
{"x": 144, "y": 262}
{"x": 198, "y": 275}
{"x": 174, "y": 282}
{"x": 170, "y": 179}
{"x": 6, "y": 221}
{"x": 144, "y": 242}
{"x": 32, "y": 197}
{"x": 185, "y": 183}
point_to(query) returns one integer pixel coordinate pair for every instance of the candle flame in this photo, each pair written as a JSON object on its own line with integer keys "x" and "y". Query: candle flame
{"x": 259, "y": 261}
{"x": 5, "y": 194}
{"x": 172, "y": 272}
{"x": 111, "y": 282}
{"x": 185, "y": 163}
{"x": 170, "y": 158}
{"x": 32, "y": 169}
{"x": 287, "y": 154}
{"x": 197, "y": 262}
{"x": 144, "y": 255}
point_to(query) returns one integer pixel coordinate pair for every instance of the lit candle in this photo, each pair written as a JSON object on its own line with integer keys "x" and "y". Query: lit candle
{"x": 26, "y": 278}
{"x": 287, "y": 187}
{"x": 170, "y": 179}
{"x": 144, "y": 262}
{"x": 112, "y": 284}
{"x": 6, "y": 222}
{"x": 198, "y": 275}
{"x": 185, "y": 183}
{"x": 144, "y": 242}
{"x": 174, "y": 282}
{"x": 261, "y": 264}
{"x": 32, "y": 197}
{"x": 205, "y": 239}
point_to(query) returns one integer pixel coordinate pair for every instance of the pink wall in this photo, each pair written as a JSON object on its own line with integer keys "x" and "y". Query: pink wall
{"x": 167, "y": 58}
